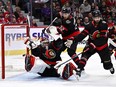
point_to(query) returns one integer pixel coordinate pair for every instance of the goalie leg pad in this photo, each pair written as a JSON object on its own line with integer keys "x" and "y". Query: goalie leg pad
{"x": 29, "y": 62}
{"x": 39, "y": 66}
{"x": 68, "y": 70}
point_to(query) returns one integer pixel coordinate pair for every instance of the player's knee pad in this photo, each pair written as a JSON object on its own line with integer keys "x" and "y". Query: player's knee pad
{"x": 107, "y": 65}
{"x": 39, "y": 66}
{"x": 66, "y": 70}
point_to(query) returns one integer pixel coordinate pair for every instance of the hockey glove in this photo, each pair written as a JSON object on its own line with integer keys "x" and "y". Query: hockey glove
{"x": 29, "y": 43}
{"x": 68, "y": 43}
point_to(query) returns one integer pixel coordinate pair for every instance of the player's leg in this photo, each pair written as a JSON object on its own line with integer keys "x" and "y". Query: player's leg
{"x": 35, "y": 64}
{"x": 83, "y": 60}
{"x": 106, "y": 59}
{"x": 115, "y": 53}
{"x": 72, "y": 53}
{"x": 111, "y": 47}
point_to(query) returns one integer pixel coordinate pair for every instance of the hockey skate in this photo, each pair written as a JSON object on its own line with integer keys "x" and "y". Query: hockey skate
{"x": 29, "y": 62}
{"x": 112, "y": 70}
{"x": 68, "y": 70}
{"x": 78, "y": 72}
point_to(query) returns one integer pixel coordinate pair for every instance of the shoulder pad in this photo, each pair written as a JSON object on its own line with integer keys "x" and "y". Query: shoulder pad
{"x": 104, "y": 22}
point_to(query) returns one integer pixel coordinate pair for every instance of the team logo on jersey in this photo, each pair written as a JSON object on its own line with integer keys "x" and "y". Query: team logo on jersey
{"x": 50, "y": 54}
{"x": 68, "y": 21}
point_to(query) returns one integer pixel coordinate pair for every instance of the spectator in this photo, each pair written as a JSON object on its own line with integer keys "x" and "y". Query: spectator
{"x": 90, "y": 16}
{"x": 1, "y": 18}
{"x": 2, "y": 7}
{"x": 103, "y": 7}
{"x": 97, "y": 8}
{"x": 92, "y": 6}
{"x": 107, "y": 12}
{"x": 110, "y": 22}
{"x": 46, "y": 13}
{"x": 86, "y": 21}
{"x": 18, "y": 3}
{"x": 85, "y": 8}
{"x": 14, "y": 21}
{"x": 78, "y": 13}
{"x": 110, "y": 2}
{"x": 113, "y": 17}
{"x": 21, "y": 19}
{"x": 17, "y": 12}
{"x": 34, "y": 24}
{"x": 7, "y": 19}
{"x": 79, "y": 22}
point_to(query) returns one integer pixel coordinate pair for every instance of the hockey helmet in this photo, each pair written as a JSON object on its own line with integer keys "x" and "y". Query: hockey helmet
{"x": 44, "y": 41}
{"x": 66, "y": 9}
{"x": 96, "y": 14}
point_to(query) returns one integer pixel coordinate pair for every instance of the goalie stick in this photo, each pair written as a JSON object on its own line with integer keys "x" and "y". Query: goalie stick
{"x": 28, "y": 34}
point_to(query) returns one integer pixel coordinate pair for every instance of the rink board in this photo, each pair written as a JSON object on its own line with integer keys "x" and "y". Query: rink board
{"x": 14, "y": 39}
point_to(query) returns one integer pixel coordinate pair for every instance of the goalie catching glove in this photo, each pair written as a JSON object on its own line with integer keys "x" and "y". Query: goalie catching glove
{"x": 29, "y": 43}
{"x": 53, "y": 32}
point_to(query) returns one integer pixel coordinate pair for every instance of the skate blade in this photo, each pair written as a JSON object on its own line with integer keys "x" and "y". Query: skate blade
{"x": 75, "y": 75}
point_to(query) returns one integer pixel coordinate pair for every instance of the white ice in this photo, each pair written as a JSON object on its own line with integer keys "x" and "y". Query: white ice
{"x": 94, "y": 76}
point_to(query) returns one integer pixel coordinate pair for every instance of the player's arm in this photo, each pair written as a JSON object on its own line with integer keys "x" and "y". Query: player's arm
{"x": 57, "y": 44}
{"x": 101, "y": 38}
{"x": 58, "y": 21}
{"x": 77, "y": 38}
{"x": 81, "y": 36}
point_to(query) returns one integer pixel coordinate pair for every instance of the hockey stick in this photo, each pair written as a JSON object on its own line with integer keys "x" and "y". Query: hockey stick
{"x": 69, "y": 59}
{"x": 43, "y": 31}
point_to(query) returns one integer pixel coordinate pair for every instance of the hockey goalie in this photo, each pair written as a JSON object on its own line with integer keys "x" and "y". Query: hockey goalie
{"x": 45, "y": 56}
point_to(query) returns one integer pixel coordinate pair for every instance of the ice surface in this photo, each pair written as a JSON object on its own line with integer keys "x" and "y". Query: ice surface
{"x": 94, "y": 76}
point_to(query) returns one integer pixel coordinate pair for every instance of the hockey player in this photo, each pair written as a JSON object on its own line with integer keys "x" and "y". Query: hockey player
{"x": 67, "y": 28}
{"x": 45, "y": 57}
{"x": 97, "y": 42}
{"x": 112, "y": 40}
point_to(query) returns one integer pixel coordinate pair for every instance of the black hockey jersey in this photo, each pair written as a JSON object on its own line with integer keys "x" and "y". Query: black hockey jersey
{"x": 99, "y": 31}
{"x": 54, "y": 46}
{"x": 67, "y": 27}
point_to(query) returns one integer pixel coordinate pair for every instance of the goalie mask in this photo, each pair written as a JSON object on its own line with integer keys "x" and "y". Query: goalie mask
{"x": 44, "y": 42}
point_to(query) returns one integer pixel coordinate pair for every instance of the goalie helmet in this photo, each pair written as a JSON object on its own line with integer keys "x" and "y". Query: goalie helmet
{"x": 44, "y": 41}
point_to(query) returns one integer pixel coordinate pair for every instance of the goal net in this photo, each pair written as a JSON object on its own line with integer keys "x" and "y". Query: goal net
{"x": 11, "y": 49}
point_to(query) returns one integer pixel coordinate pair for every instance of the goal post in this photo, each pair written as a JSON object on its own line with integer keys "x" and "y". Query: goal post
{"x": 11, "y": 36}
